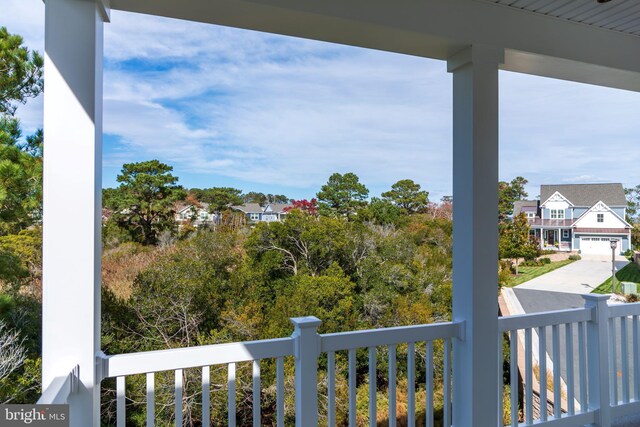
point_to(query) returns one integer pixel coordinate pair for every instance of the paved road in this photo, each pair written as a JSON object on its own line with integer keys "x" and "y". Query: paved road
{"x": 580, "y": 277}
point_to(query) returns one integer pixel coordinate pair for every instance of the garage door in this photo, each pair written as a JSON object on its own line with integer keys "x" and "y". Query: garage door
{"x": 595, "y": 245}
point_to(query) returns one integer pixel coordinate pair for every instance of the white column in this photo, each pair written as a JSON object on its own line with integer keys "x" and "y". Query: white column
{"x": 475, "y": 233}
{"x": 72, "y": 199}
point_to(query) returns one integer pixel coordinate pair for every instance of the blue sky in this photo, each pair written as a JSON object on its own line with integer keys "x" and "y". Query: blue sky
{"x": 228, "y": 107}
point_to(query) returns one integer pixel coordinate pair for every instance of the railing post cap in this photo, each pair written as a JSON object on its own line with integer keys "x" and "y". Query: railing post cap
{"x": 596, "y": 297}
{"x": 305, "y": 322}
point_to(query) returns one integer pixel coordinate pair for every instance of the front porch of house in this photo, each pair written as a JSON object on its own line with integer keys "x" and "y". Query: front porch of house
{"x": 556, "y": 238}
{"x": 476, "y": 39}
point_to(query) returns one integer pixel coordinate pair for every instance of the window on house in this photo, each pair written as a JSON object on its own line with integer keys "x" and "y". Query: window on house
{"x": 557, "y": 213}
{"x": 254, "y": 216}
{"x": 565, "y": 234}
{"x": 600, "y": 217}
{"x": 531, "y": 214}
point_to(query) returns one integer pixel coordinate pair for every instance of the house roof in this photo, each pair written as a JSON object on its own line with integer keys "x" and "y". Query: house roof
{"x": 612, "y": 194}
{"x": 256, "y": 208}
{"x": 525, "y": 206}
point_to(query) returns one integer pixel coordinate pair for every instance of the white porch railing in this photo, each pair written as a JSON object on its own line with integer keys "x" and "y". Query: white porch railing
{"x": 591, "y": 364}
{"x": 307, "y": 347}
{"x": 599, "y": 357}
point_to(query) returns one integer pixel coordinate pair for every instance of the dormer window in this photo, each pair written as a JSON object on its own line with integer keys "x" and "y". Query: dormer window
{"x": 531, "y": 214}
{"x": 600, "y": 217}
{"x": 557, "y": 213}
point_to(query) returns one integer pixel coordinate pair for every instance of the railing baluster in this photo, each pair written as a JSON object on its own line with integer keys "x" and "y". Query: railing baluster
{"x": 373, "y": 411}
{"x": 392, "y": 386}
{"x": 352, "y": 387}
{"x": 500, "y": 381}
{"x": 206, "y": 396}
{"x": 121, "y": 402}
{"x": 582, "y": 365}
{"x": 613, "y": 374}
{"x": 528, "y": 373}
{"x": 513, "y": 357}
{"x": 231, "y": 395}
{"x": 331, "y": 389}
{"x": 280, "y": 391}
{"x": 636, "y": 359}
{"x": 178, "y": 396}
{"x": 624, "y": 353}
{"x": 568, "y": 332}
{"x": 151, "y": 404}
{"x": 256, "y": 393}
{"x": 429, "y": 384}
{"x": 542, "y": 367}
{"x": 557, "y": 380}
{"x": 411, "y": 388}
{"x": 447, "y": 382}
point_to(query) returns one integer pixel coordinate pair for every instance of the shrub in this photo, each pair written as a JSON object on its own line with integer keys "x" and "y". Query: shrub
{"x": 629, "y": 254}
{"x": 548, "y": 252}
{"x": 545, "y": 260}
{"x": 575, "y": 257}
{"x": 505, "y": 270}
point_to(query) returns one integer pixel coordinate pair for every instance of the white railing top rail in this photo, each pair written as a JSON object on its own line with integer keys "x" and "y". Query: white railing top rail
{"x": 217, "y": 354}
{"x": 60, "y": 388}
{"x": 192, "y": 357}
{"x": 546, "y": 318}
{"x": 620, "y": 310}
{"x": 389, "y": 336}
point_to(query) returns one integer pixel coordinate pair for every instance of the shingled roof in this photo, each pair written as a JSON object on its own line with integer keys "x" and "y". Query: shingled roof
{"x": 525, "y": 206}
{"x": 612, "y": 194}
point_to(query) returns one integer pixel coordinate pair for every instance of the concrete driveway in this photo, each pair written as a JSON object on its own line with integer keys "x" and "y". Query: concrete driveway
{"x": 579, "y": 277}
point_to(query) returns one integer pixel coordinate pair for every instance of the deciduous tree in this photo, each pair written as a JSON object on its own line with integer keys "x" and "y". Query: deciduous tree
{"x": 515, "y": 240}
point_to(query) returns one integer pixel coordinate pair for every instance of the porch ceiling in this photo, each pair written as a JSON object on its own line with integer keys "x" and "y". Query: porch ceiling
{"x": 535, "y": 43}
{"x": 617, "y": 15}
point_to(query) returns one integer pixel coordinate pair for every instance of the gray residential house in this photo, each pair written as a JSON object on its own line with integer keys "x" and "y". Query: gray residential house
{"x": 579, "y": 217}
{"x": 269, "y": 213}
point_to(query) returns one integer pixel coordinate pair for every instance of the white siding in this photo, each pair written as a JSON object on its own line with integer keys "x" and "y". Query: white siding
{"x": 590, "y": 220}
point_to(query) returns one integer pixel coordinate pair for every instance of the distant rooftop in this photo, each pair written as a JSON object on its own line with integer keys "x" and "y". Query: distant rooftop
{"x": 612, "y": 194}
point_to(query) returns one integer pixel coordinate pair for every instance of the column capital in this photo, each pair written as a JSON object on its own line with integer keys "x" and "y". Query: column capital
{"x": 477, "y": 53}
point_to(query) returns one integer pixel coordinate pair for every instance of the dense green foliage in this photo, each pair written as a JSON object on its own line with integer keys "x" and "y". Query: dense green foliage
{"x": 20, "y": 72}
{"x": 233, "y": 285}
{"x": 343, "y": 195}
{"x": 407, "y": 195}
{"x": 20, "y": 232}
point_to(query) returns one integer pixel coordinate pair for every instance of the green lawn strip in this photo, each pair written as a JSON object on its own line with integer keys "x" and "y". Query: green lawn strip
{"x": 527, "y": 273}
{"x": 628, "y": 273}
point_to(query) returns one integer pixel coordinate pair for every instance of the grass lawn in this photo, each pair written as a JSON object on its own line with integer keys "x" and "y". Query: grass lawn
{"x": 528, "y": 273}
{"x": 628, "y": 273}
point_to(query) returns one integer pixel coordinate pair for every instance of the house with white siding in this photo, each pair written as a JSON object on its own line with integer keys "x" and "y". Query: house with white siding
{"x": 269, "y": 213}
{"x": 579, "y": 217}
